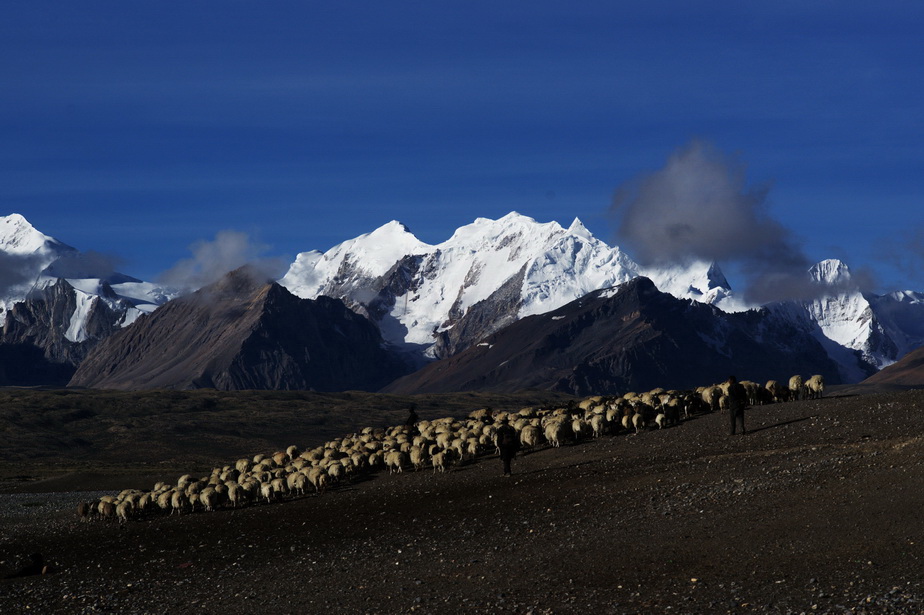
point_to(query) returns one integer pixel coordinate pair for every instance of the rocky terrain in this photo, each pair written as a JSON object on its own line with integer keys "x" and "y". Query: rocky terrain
{"x": 628, "y": 338}
{"x": 815, "y": 510}
{"x": 244, "y": 333}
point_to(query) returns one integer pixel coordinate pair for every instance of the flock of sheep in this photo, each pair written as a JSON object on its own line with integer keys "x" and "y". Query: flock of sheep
{"x": 436, "y": 444}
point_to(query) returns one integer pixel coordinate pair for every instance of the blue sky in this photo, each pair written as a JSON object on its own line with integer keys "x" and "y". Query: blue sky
{"x": 138, "y": 129}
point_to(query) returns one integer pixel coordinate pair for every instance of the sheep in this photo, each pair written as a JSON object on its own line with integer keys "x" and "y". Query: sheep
{"x": 672, "y": 412}
{"x": 317, "y": 476}
{"x": 444, "y": 439}
{"x": 235, "y": 494}
{"x": 795, "y": 387}
{"x": 266, "y": 491}
{"x": 581, "y": 429}
{"x": 106, "y": 509}
{"x": 530, "y": 437}
{"x": 163, "y": 499}
{"x": 178, "y": 501}
{"x": 419, "y": 457}
{"x": 778, "y": 392}
{"x": 599, "y": 425}
{"x": 335, "y": 472}
{"x": 638, "y": 421}
{"x": 815, "y": 387}
{"x": 441, "y": 461}
{"x": 556, "y": 432}
{"x": 439, "y": 443}
{"x": 395, "y": 461}
{"x": 208, "y": 497}
{"x": 123, "y": 510}
{"x": 473, "y": 447}
{"x": 711, "y": 396}
{"x": 279, "y": 487}
{"x": 84, "y": 510}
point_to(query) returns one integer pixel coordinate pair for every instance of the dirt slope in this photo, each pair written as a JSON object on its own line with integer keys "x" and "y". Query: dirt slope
{"x": 816, "y": 510}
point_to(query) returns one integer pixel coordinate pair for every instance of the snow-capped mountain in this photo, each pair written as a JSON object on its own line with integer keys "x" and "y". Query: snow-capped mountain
{"x": 701, "y": 281}
{"x": 863, "y": 332}
{"x": 49, "y": 299}
{"x": 628, "y": 338}
{"x": 504, "y": 269}
{"x": 437, "y": 300}
{"x": 441, "y": 299}
{"x": 32, "y": 261}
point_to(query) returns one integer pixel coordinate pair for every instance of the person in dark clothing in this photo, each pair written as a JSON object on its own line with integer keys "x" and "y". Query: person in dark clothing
{"x": 737, "y": 402}
{"x": 411, "y": 422}
{"x": 508, "y": 443}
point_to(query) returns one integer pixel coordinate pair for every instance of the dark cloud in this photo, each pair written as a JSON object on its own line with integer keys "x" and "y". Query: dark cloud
{"x": 698, "y": 207}
{"x": 17, "y": 270}
{"x": 211, "y": 260}
{"x": 84, "y": 265}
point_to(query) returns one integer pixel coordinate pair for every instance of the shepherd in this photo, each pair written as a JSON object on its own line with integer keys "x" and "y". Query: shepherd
{"x": 508, "y": 443}
{"x": 737, "y": 402}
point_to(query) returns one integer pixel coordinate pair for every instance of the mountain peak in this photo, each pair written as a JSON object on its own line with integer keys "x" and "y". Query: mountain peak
{"x": 19, "y": 237}
{"x": 242, "y": 282}
{"x": 394, "y": 227}
{"x": 831, "y": 271}
{"x": 577, "y": 228}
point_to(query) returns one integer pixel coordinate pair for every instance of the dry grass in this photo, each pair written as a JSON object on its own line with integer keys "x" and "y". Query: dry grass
{"x": 47, "y": 432}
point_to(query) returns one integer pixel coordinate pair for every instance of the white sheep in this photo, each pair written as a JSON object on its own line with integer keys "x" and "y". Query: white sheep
{"x": 123, "y": 510}
{"x": 441, "y": 460}
{"x": 815, "y": 386}
{"x": 599, "y": 424}
{"x": 795, "y": 387}
{"x": 557, "y": 431}
{"x": 317, "y": 476}
{"x": 530, "y": 437}
{"x": 395, "y": 461}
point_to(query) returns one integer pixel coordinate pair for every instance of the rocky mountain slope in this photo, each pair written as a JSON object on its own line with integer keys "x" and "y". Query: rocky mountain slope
{"x": 432, "y": 301}
{"x": 243, "y": 333}
{"x": 628, "y": 338}
{"x": 862, "y": 332}
{"x": 54, "y": 306}
{"x": 442, "y": 299}
{"x": 908, "y": 372}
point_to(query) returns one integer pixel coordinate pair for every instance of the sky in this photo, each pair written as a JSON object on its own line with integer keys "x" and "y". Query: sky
{"x": 153, "y": 132}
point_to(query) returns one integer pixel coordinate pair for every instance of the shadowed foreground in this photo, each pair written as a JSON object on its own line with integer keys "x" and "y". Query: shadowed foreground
{"x": 816, "y": 510}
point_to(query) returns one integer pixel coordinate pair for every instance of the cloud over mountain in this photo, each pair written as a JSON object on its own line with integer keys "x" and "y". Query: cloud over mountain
{"x": 699, "y": 207}
{"x": 211, "y": 260}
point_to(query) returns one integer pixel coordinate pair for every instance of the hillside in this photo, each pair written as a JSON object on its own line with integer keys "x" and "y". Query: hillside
{"x": 816, "y": 510}
{"x": 909, "y": 371}
{"x": 244, "y": 333}
{"x": 628, "y": 338}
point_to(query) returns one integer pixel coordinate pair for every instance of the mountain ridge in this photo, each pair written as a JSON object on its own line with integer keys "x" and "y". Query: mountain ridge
{"x": 628, "y": 338}
{"x": 243, "y": 333}
{"x": 433, "y": 301}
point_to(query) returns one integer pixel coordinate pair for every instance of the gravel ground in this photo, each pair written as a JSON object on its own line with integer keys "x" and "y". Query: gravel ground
{"x": 815, "y": 511}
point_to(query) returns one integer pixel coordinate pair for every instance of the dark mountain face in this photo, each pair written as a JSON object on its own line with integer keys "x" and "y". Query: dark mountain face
{"x": 244, "y": 334}
{"x": 909, "y": 371}
{"x": 34, "y": 344}
{"x": 629, "y": 338}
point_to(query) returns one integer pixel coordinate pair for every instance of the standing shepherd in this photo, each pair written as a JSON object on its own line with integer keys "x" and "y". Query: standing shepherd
{"x": 411, "y": 422}
{"x": 737, "y": 402}
{"x": 508, "y": 443}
